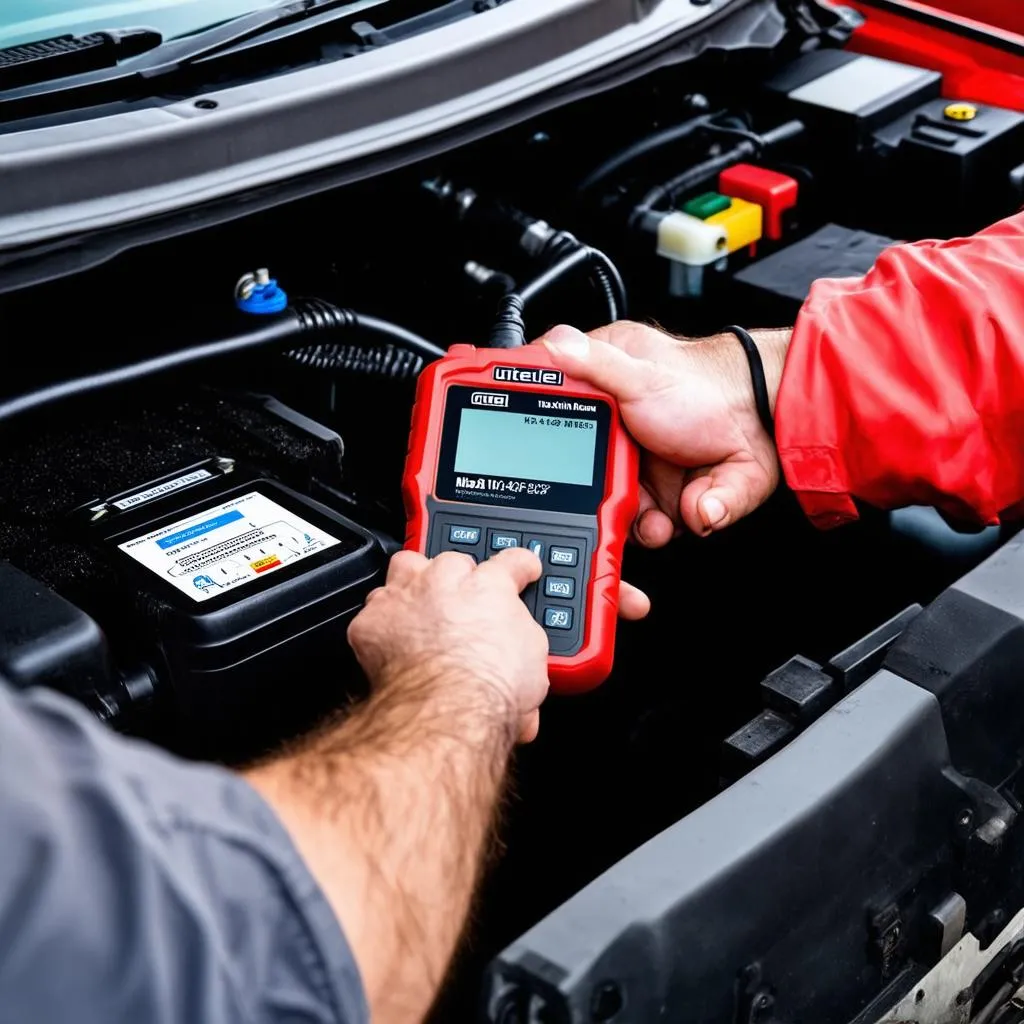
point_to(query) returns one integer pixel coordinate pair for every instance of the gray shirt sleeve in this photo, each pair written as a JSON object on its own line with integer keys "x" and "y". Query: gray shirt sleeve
{"x": 140, "y": 889}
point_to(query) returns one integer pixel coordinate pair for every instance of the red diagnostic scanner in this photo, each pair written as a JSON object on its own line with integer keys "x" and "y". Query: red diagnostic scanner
{"x": 508, "y": 452}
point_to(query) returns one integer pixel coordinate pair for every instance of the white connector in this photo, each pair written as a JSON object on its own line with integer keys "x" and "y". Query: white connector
{"x": 690, "y": 240}
{"x": 690, "y": 244}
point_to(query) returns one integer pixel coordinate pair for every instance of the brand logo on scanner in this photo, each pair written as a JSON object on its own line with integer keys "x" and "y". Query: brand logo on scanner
{"x": 490, "y": 398}
{"x": 528, "y": 375}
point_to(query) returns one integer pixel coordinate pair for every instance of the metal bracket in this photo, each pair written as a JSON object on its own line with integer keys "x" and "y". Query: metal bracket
{"x": 830, "y": 25}
{"x": 887, "y": 939}
{"x": 985, "y": 820}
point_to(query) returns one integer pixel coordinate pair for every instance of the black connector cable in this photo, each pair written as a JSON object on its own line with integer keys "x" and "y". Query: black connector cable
{"x": 489, "y": 223}
{"x": 509, "y": 331}
{"x": 605, "y": 272}
{"x": 646, "y": 147}
{"x": 296, "y": 326}
{"x": 762, "y": 399}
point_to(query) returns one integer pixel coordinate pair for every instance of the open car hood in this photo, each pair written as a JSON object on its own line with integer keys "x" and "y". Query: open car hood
{"x": 418, "y": 95}
{"x": 998, "y": 15}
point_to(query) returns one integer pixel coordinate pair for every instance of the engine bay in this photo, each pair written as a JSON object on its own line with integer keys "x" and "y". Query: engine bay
{"x": 256, "y": 421}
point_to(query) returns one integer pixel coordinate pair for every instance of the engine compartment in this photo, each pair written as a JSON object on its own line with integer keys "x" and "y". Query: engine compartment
{"x": 313, "y": 420}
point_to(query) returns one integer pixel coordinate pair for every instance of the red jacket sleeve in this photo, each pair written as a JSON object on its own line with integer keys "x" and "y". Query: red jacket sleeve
{"x": 906, "y": 386}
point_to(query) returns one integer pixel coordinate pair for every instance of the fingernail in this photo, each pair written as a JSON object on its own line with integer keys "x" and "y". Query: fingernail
{"x": 643, "y": 532}
{"x": 713, "y": 510}
{"x": 568, "y": 341}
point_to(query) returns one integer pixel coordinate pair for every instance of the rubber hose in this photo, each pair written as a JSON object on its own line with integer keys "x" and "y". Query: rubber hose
{"x": 552, "y": 275}
{"x": 605, "y": 273}
{"x": 389, "y": 361}
{"x": 645, "y": 147}
{"x": 285, "y": 330}
{"x": 611, "y": 283}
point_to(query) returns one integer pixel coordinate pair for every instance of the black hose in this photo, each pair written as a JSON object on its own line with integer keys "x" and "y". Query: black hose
{"x": 386, "y": 361}
{"x": 605, "y": 272}
{"x": 553, "y": 274}
{"x": 696, "y": 175}
{"x": 643, "y": 148}
{"x": 289, "y": 328}
{"x": 611, "y": 283}
{"x": 317, "y": 315}
{"x": 508, "y": 331}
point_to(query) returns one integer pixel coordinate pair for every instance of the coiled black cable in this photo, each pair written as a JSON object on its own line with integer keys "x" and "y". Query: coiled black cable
{"x": 387, "y": 361}
{"x": 286, "y": 331}
{"x": 316, "y": 315}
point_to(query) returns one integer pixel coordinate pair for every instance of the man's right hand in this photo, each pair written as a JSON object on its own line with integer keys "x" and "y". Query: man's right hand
{"x": 451, "y": 624}
{"x": 708, "y": 461}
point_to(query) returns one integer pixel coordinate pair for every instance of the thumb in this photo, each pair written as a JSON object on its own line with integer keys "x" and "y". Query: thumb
{"x": 719, "y": 496}
{"x": 598, "y": 363}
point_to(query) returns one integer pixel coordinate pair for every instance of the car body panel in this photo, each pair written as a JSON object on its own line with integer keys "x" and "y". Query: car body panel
{"x": 72, "y": 178}
{"x": 977, "y": 63}
{"x": 1001, "y": 14}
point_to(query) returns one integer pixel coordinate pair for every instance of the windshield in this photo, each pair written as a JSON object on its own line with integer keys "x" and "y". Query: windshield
{"x": 24, "y": 21}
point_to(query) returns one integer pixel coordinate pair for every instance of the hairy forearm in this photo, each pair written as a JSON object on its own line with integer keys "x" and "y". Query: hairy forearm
{"x": 731, "y": 361}
{"x": 392, "y": 810}
{"x": 773, "y": 346}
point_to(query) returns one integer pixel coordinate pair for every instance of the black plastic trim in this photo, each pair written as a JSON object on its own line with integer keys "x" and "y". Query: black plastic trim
{"x": 790, "y": 874}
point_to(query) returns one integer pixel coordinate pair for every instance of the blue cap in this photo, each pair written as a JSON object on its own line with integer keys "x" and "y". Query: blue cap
{"x": 264, "y": 299}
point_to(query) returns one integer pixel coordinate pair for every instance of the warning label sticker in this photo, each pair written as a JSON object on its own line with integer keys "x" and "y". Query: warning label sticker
{"x": 227, "y": 546}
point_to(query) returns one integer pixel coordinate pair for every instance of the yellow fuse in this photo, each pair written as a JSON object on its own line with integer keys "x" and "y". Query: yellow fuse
{"x": 743, "y": 223}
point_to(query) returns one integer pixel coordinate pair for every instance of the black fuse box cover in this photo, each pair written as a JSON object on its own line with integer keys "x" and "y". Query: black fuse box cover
{"x": 954, "y": 176}
{"x": 248, "y": 660}
{"x": 232, "y": 674}
{"x": 842, "y": 97}
{"x": 780, "y": 283}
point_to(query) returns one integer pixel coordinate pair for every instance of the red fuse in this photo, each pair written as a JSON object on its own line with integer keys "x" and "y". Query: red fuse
{"x": 769, "y": 189}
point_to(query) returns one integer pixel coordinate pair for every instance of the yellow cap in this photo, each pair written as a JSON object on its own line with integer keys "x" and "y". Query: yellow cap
{"x": 961, "y": 111}
{"x": 743, "y": 223}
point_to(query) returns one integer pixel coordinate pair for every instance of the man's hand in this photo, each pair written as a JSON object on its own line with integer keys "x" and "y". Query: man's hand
{"x": 392, "y": 806}
{"x": 708, "y": 461}
{"x": 460, "y": 626}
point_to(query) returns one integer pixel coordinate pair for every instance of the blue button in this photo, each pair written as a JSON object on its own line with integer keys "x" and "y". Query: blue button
{"x": 558, "y": 618}
{"x": 537, "y": 547}
{"x": 503, "y": 541}
{"x": 464, "y": 535}
{"x": 564, "y": 556}
{"x": 560, "y": 586}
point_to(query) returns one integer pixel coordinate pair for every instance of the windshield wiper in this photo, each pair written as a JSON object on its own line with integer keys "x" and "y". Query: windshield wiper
{"x": 54, "y": 88}
{"x": 72, "y": 55}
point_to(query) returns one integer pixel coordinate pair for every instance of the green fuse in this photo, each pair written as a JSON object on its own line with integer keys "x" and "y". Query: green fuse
{"x": 707, "y": 205}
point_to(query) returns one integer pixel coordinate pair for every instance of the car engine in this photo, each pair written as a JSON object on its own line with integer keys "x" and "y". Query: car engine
{"x": 255, "y": 374}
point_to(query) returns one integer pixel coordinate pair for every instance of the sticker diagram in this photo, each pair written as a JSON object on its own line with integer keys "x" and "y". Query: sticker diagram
{"x": 227, "y": 546}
